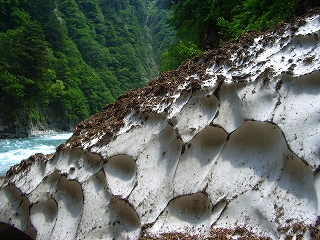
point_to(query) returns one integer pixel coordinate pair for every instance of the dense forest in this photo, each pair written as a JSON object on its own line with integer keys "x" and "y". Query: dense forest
{"x": 205, "y": 24}
{"x": 63, "y": 60}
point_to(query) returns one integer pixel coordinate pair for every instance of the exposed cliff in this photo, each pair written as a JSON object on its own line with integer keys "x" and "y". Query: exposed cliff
{"x": 225, "y": 146}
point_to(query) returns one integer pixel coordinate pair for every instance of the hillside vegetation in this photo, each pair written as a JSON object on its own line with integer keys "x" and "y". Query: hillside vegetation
{"x": 205, "y": 24}
{"x": 62, "y": 61}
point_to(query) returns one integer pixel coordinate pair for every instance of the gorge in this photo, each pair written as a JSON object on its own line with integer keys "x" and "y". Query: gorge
{"x": 62, "y": 61}
{"x": 226, "y": 146}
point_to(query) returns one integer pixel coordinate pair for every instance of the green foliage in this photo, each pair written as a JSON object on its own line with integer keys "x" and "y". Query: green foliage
{"x": 75, "y": 105}
{"x": 27, "y": 60}
{"x": 12, "y": 14}
{"x": 160, "y": 33}
{"x": 256, "y": 15}
{"x": 57, "y": 90}
{"x": 10, "y": 86}
{"x": 72, "y": 57}
{"x": 36, "y": 116}
{"x": 110, "y": 39}
{"x": 208, "y": 22}
{"x": 177, "y": 54}
{"x": 189, "y": 18}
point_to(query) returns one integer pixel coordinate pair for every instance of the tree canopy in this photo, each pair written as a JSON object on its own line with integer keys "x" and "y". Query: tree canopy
{"x": 72, "y": 57}
{"x": 67, "y": 59}
{"x": 207, "y": 23}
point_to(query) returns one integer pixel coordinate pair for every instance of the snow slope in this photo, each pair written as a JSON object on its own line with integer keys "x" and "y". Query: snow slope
{"x": 226, "y": 146}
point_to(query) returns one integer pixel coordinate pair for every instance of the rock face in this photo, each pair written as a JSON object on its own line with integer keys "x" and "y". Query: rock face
{"x": 17, "y": 128}
{"x": 22, "y": 126}
{"x": 226, "y": 146}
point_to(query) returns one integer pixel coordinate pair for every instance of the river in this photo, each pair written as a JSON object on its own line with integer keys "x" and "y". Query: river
{"x": 13, "y": 151}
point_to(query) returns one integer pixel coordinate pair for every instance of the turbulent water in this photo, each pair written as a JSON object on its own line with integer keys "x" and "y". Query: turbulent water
{"x": 13, "y": 151}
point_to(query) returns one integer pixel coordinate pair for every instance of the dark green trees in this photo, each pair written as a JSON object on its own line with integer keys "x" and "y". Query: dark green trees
{"x": 255, "y": 15}
{"x": 26, "y": 63}
{"x": 62, "y": 61}
{"x": 207, "y": 23}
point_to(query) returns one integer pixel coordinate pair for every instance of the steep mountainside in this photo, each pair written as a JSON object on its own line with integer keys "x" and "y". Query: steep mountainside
{"x": 224, "y": 147}
{"x": 62, "y": 61}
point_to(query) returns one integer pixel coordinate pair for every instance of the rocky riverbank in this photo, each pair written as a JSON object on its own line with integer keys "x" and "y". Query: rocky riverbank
{"x": 23, "y": 127}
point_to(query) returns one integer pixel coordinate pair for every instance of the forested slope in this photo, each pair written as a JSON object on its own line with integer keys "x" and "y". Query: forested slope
{"x": 205, "y": 24}
{"x": 62, "y": 61}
